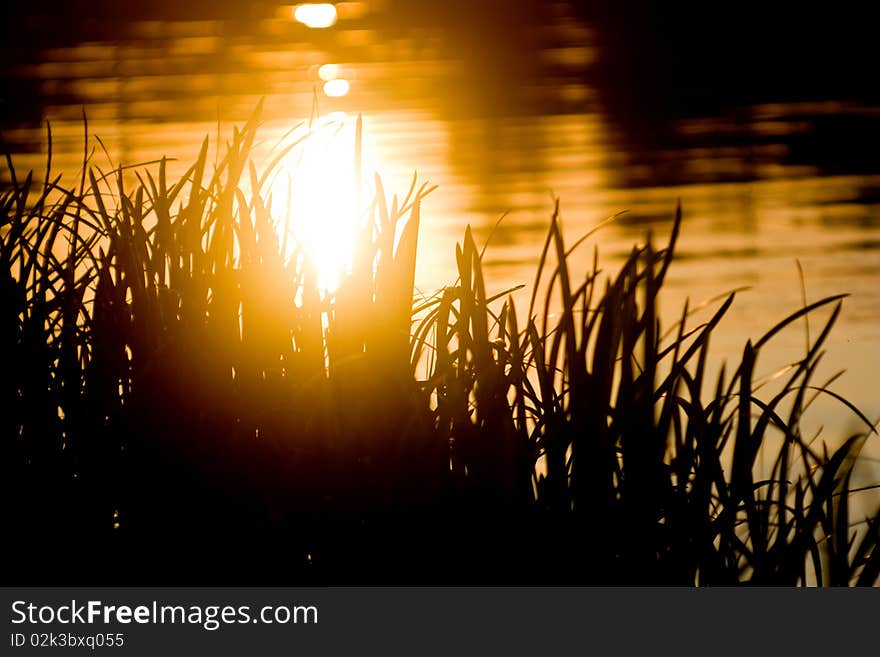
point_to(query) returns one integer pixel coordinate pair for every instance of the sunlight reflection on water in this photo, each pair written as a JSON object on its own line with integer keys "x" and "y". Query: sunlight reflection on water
{"x": 750, "y": 210}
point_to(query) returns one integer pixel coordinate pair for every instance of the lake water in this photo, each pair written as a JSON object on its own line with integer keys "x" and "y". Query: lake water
{"x": 763, "y": 186}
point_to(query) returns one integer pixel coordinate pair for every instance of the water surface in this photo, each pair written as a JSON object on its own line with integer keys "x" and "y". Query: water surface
{"x": 763, "y": 185}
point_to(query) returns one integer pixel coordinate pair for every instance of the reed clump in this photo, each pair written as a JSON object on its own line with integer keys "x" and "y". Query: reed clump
{"x": 185, "y": 405}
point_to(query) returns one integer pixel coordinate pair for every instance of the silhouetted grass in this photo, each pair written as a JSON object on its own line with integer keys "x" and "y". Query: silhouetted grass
{"x": 185, "y": 405}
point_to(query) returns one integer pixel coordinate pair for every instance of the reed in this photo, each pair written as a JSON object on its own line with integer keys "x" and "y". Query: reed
{"x": 184, "y": 403}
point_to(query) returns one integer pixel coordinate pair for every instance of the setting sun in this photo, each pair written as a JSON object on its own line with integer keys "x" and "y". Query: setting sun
{"x": 317, "y": 188}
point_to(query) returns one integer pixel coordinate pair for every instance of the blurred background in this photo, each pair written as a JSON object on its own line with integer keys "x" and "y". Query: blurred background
{"x": 763, "y": 118}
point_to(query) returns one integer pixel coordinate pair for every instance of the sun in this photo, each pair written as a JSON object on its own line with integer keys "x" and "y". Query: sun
{"x": 314, "y": 199}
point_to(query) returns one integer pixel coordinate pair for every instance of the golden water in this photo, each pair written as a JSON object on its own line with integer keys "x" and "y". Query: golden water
{"x": 750, "y": 212}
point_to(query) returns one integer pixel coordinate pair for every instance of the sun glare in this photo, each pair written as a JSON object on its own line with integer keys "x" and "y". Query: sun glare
{"x": 317, "y": 187}
{"x": 316, "y": 15}
{"x": 328, "y": 72}
{"x": 336, "y": 88}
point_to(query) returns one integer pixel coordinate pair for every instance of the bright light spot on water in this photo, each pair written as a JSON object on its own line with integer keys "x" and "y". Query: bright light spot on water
{"x": 328, "y": 72}
{"x": 317, "y": 183}
{"x": 316, "y": 15}
{"x": 336, "y": 88}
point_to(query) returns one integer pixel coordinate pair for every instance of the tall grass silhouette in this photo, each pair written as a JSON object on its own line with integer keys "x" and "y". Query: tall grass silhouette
{"x": 184, "y": 404}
